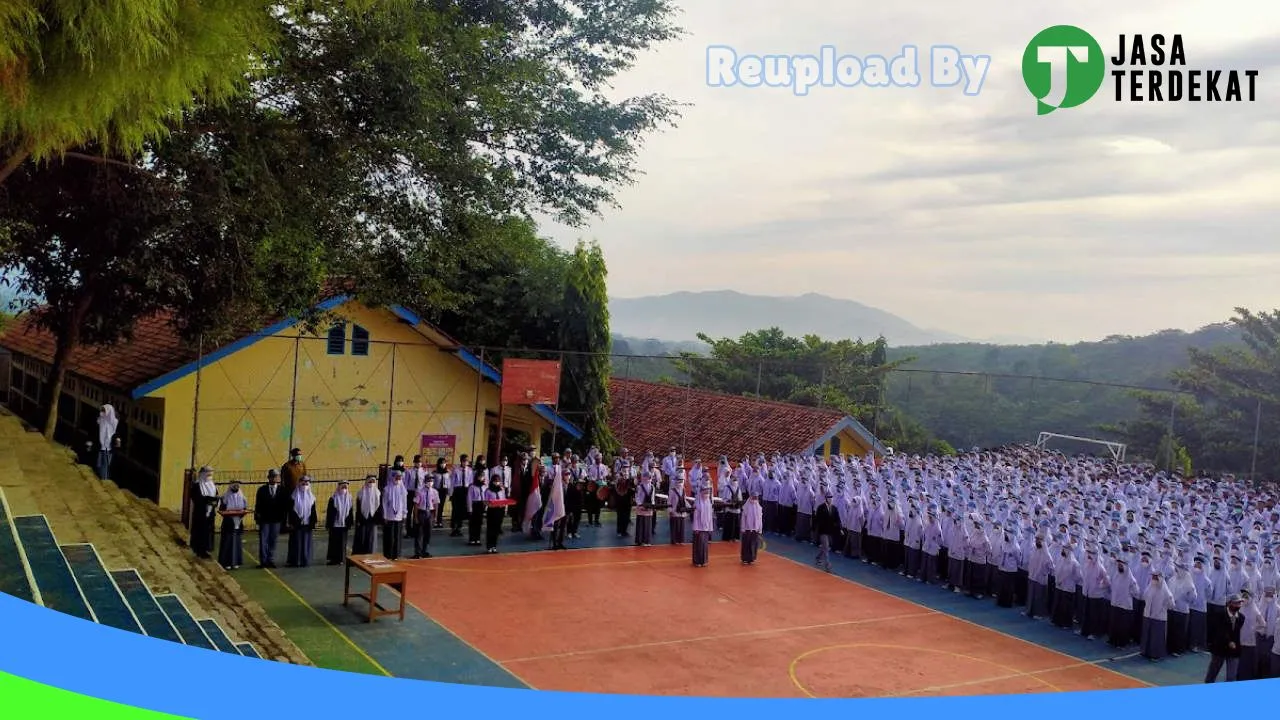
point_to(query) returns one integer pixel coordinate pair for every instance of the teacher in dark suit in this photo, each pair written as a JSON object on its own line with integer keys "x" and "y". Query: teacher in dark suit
{"x": 269, "y": 510}
{"x": 1224, "y": 643}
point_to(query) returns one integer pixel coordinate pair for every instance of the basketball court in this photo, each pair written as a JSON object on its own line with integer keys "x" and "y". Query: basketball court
{"x": 644, "y": 621}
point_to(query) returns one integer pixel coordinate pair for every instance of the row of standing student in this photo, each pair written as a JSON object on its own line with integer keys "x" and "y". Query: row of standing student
{"x": 357, "y": 517}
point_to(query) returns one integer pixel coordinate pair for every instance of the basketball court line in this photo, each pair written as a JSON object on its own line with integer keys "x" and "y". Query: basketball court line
{"x": 1059, "y": 653}
{"x": 409, "y": 605}
{"x": 727, "y": 636}
{"x": 1015, "y": 673}
{"x": 334, "y": 628}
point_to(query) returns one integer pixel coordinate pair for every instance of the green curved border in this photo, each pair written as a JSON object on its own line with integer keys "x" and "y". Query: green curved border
{"x": 30, "y": 699}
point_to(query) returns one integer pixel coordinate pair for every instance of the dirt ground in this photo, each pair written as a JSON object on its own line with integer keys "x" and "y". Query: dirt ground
{"x": 40, "y": 478}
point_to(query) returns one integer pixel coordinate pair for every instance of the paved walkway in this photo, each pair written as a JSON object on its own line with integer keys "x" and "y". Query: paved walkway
{"x": 40, "y": 478}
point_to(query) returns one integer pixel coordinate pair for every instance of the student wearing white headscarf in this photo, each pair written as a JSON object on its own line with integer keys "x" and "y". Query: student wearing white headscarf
{"x": 703, "y": 526}
{"x": 752, "y": 527}
{"x": 1156, "y": 601}
{"x": 1184, "y": 596}
{"x": 1248, "y": 666}
{"x": 339, "y": 516}
{"x": 232, "y": 508}
{"x": 204, "y": 503}
{"x": 107, "y": 423}
{"x": 302, "y": 523}
{"x": 1122, "y": 590}
{"x": 395, "y": 508}
{"x": 368, "y": 510}
{"x": 1039, "y": 567}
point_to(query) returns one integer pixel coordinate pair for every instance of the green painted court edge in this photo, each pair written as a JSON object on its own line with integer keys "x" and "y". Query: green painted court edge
{"x": 29, "y": 699}
{"x": 322, "y": 643}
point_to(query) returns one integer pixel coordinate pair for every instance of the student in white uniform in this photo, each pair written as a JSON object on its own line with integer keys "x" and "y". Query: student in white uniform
{"x": 678, "y": 510}
{"x": 1156, "y": 601}
{"x": 425, "y": 503}
{"x": 703, "y": 526}
{"x": 752, "y": 527}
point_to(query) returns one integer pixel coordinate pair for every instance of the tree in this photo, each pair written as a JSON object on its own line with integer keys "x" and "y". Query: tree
{"x": 846, "y": 375}
{"x": 90, "y": 242}
{"x": 111, "y": 75}
{"x": 1234, "y": 392}
{"x": 584, "y": 334}
{"x": 509, "y": 291}
{"x": 374, "y": 147}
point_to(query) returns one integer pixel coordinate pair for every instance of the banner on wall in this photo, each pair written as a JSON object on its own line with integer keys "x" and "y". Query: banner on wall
{"x": 439, "y": 446}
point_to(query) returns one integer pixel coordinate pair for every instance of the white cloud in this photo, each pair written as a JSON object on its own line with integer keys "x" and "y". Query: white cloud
{"x": 969, "y": 214}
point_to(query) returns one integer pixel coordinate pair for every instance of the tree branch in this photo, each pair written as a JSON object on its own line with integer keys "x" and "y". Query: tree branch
{"x": 14, "y": 162}
{"x": 102, "y": 160}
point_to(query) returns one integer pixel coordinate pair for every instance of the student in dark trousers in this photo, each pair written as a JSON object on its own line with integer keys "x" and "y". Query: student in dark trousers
{"x": 574, "y": 494}
{"x": 826, "y": 523}
{"x": 493, "y": 514}
{"x": 1224, "y": 643}
{"x": 440, "y": 481}
{"x": 270, "y": 509}
{"x": 475, "y": 503}
{"x": 339, "y": 516}
{"x": 460, "y": 481}
{"x": 425, "y": 502}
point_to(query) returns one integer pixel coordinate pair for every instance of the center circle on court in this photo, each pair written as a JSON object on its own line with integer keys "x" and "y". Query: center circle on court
{"x": 885, "y": 670}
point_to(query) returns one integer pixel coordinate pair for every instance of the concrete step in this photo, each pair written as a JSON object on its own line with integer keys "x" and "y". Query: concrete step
{"x": 104, "y": 598}
{"x": 155, "y": 623}
{"x": 218, "y": 636}
{"x": 191, "y": 632}
{"x": 15, "y": 571}
{"x": 53, "y": 578}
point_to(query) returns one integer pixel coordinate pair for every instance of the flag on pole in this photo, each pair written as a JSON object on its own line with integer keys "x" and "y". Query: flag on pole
{"x": 555, "y": 502}
{"x": 534, "y": 503}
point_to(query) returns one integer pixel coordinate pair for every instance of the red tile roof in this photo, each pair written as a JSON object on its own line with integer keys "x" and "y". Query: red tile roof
{"x": 155, "y": 350}
{"x": 647, "y": 416}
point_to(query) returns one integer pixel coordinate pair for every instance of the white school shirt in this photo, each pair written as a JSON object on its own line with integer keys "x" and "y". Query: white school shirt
{"x": 752, "y": 517}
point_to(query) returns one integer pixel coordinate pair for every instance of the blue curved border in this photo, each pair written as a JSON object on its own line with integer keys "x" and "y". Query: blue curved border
{"x": 75, "y": 655}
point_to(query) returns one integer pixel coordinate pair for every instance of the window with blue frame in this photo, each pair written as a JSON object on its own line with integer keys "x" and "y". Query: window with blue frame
{"x": 835, "y": 446}
{"x": 359, "y": 341}
{"x": 338, "y": 339}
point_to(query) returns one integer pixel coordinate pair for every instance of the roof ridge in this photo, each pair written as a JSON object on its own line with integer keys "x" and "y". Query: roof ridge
{"x": 717, "y": 393}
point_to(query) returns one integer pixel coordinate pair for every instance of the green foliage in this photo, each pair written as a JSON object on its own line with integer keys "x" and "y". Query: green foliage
{"x": 1234, "y": 392}
{"x": 985, "y": 405}
{"x": 389, "y": 147}
{"x": 584, "y": 328}
{"x": 113, "y": 73}
{"x": 846, "y": 375}
{"x": 95, "y": 244}
{"x": 507, "y": 292}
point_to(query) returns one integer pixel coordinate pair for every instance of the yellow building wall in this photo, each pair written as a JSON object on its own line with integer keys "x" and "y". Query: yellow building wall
{"x": 347, "y": 412}
{"x": 850, "y": 444}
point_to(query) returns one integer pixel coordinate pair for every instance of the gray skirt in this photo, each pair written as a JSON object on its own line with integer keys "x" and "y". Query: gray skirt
{"x": 701, "y": 547}
{"x": 750, "y": 545}
{"x": 1154, "y": 640}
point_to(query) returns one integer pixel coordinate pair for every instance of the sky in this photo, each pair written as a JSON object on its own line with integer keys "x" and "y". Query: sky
{"x": 969, "y": 214}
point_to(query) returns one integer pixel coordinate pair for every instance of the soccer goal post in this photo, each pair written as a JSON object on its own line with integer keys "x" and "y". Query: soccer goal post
{"x": 1116, "y": 449}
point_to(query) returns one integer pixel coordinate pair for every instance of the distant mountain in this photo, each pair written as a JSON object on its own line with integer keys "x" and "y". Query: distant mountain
{"x": 725, "y": 313}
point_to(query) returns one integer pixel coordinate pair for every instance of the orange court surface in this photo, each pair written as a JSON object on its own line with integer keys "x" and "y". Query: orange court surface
{"x": 645, "y": 621}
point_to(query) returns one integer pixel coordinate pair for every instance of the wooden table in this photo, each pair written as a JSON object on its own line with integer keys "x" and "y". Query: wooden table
{"x": 381, "y": 571}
